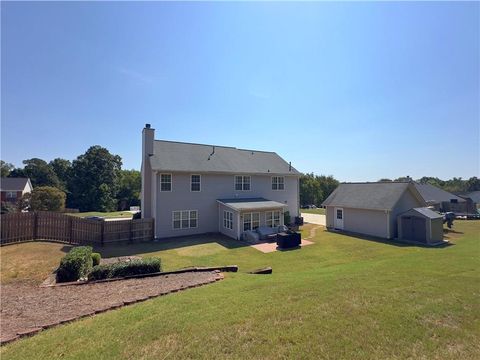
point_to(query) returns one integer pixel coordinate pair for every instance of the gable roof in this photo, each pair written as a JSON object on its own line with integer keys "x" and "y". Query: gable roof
{"x": 432, "y": 194}
{"x": 13, "y": 184}
{"x": 425, "y": 212}
{"x": 373, "y": 196}
{"x": 474, "y": 195}
{"x": 188, "y": 157}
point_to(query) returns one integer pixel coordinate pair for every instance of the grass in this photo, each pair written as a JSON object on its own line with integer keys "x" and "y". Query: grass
{"x": 112, "y": 214}
{"x": 342, "y": 297}
{"x": 313, "y": 211}
{"x": 30, "y": 262}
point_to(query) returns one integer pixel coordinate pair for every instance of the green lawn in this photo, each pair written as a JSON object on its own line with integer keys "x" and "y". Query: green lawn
{"x": 313, "y": 211}
{"x": 340, "y": 298}
{"x": 122, "y": 214}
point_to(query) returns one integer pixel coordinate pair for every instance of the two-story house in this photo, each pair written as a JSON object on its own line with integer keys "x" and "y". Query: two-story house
{"x": 194, "y": 188}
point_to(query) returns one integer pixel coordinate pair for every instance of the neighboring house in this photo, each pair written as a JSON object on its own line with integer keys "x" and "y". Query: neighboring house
{"x": 13, "y": 189}
{"x": 473, "y": 201}
{"x": 441, "y": 200}
{"x": 194, "y": 188}
{"x": 371, "y": 208}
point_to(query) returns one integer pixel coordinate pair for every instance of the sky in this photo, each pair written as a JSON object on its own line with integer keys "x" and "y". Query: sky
{"x": 360, "y": 91}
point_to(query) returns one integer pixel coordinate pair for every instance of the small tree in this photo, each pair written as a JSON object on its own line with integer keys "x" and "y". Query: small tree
{"x": 46, "y": 198}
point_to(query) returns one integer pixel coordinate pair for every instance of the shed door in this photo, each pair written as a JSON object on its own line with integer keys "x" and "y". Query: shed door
{"x": 419, "y": 229}
{"x": 338, "y": 214}
{"x": 407, "y": 228}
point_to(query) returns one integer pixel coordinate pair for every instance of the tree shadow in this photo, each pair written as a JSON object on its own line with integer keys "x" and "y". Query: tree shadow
{"x": 128, "y": 249}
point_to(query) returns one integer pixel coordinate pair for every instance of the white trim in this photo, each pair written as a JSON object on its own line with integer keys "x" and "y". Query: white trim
{"x": 243, "y": 183}
{"x": 238, "y": 225}
{"x": 271, "y": 182}
{"x": 171, "y": 182}
{"x": 200, "y": 183}
{"x": 189, "y": 219}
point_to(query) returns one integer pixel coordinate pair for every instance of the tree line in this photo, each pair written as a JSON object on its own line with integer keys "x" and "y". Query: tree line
{"x": 94, "y": 181}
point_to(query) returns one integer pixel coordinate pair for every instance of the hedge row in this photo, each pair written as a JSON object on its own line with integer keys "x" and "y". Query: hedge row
{"x": 77, "y": 264}
{"x": 125, "y": 268}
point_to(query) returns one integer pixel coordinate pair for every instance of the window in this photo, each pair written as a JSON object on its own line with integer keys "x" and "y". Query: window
{"x": 165, "y": 182}
{"x": 339, "y": 214}
{"x": 278, "y": 183}
{"x": 242, "y": 183}
{"x": 11, "y": 195}
{"x": 272, "y": 218}
{"x": 228, "y": 220}
{"x": 251, "y": 221}
{"x": 184, "y": 219}
{"x": 195, "y": 183}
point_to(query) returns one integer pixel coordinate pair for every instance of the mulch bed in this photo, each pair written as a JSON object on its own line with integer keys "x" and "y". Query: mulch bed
{"x": 27, "y": 309}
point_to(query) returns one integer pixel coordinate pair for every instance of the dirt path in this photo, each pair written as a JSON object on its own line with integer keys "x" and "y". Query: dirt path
{"x": 27, "y": 309}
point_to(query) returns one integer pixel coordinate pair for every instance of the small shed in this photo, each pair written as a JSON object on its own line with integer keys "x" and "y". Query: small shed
{"x": 421, "y": 225}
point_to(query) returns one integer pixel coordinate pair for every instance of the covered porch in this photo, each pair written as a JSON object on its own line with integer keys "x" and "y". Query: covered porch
{"x": 239, "y": 215}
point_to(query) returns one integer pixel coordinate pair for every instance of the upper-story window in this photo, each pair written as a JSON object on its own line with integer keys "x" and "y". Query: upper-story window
{"x": 195, "y": 183}
{"x": 278, "y": 183}
{"x": 242, "y": 183}
{"x": 165, "y": 182}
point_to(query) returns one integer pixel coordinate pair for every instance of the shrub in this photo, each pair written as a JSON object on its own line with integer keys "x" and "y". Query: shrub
{"x": 96, "y": 258}
{"x": 76, "y": 264}
{"x": 125, "y": 268}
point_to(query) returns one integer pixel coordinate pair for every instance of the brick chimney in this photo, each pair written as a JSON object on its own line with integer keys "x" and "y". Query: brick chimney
{"x": 148, "y": 135}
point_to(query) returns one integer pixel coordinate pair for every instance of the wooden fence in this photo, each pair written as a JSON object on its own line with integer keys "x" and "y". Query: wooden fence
{"x": 43, "y": 225}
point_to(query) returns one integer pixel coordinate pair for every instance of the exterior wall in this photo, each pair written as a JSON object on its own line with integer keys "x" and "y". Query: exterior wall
{"x": 213, "y": 187}
{"x": 233, "y": 233}
{"x": 4, "y": 196}
{"x": 437, "y": 230}
{"x": 406, "y": 202}
{"x": 368, "y": 222}
{"x": 329, "y": 215}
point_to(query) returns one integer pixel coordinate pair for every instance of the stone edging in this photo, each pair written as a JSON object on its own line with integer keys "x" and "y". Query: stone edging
{"x": 218, "y": 276}
{"x": 228, "y": 268}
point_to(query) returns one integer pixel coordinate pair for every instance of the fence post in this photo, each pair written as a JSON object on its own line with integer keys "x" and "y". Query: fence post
{"x": 70, "y": 230}
{"x": 35, "y": 225}
{"x": 130, "y": 231}
{"x": 102, "y": 232}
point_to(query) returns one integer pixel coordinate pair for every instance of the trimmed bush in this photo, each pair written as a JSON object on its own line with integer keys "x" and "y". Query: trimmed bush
{"x": 96, "y": 258}
{"x": 125, "y": 268}
{"x": 75, "y": 265}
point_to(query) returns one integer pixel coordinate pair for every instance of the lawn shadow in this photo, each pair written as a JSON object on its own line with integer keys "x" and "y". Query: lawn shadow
{"x": 127, "y": 249}
{"x": 393, "y": 242}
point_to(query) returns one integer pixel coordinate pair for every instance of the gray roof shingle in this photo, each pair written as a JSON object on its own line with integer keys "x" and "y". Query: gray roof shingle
{"x": 13, "y": 184}
{"x": 179, "y": 156}
{"x": 432, "y": 194}
{"x": 375, "y": 196}
{"x": 426, "y": 212}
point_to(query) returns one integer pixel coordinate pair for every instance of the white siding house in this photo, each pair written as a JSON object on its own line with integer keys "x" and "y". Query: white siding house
{"x": 195, "y": 188}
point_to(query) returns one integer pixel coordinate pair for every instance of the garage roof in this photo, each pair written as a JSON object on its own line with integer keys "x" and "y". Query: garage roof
{"x": 374, "y": 196}
{"x": 250, "y": 204}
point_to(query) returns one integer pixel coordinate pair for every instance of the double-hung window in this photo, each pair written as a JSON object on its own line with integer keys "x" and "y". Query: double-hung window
{"x": 272, "y": 218}
{"x": 278, "y": 183}
{"x": 251, "y": 221}
{"x": 185, "y": 219}
{"x": 165, "y": 182}
{"x": 242, "y": 183}
{"x": 228, "y": 220}
{"x": 195, "y": 183}
{"x": 11, "y": 195}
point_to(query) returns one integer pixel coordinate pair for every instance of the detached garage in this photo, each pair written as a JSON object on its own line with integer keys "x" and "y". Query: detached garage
{"x": 421, "y": 225}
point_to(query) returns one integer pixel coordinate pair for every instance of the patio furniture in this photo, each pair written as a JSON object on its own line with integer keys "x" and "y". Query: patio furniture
{"x": 288, "y": 240}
